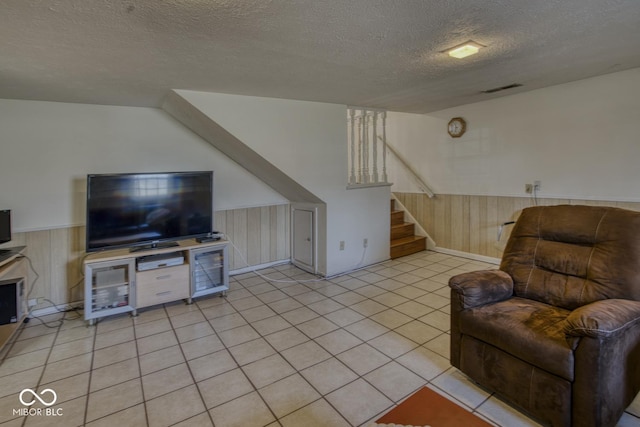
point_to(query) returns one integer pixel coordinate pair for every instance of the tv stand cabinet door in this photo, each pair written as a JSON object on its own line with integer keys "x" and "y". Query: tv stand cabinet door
{"x": 209, "y": 270}
{"x": 109, "y": 288}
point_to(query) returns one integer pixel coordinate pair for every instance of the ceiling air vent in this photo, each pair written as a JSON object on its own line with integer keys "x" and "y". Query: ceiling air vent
{"x": 498, "y": 89}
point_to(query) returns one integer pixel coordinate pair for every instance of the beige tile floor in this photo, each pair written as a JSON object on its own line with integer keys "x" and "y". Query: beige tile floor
{"x": 291, "y": 353}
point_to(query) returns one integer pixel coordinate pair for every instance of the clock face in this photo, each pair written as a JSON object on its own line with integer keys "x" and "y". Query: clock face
{"x": 457, "y": 127}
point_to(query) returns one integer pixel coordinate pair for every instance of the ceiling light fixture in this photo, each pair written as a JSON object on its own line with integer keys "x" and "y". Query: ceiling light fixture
{"x": 465, "y": 49}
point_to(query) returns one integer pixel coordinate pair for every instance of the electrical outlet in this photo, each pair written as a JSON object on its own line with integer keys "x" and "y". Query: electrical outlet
{"x": 342, "y": 245}
{"x": 365, "y": 243}
{"x": 536, "y": 185}
{"x": 33, "y": 302}
{"x": 528, "y": 188}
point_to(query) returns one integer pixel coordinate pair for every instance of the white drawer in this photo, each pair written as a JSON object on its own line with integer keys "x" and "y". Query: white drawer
{"x": 162, "y": 285}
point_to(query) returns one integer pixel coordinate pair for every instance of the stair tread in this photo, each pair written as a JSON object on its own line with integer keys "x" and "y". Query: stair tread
{"x": 404, "y": 240}
{"x": 407, "y": 246}
{"x": 402, "y": 224}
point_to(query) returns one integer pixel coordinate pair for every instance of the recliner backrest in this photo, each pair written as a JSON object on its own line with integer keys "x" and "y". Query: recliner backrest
{"x": 572, "y": 255}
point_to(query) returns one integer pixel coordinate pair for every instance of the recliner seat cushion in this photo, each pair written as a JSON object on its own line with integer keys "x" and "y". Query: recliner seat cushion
{"x": 527, "y": 329}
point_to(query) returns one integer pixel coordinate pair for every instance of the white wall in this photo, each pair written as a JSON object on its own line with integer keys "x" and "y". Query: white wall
{"x": 47, "y": 149}
{"x": 579, "y": 139}
{"x": 307, "y": 141}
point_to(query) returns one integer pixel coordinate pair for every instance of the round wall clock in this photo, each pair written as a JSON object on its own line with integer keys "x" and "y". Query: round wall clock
{"x": 457, "y": 127}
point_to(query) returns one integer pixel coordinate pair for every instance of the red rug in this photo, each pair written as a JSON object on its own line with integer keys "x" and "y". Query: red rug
{"x": 426, "y": 407}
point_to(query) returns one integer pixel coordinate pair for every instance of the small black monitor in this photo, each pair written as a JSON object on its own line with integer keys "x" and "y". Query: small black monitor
{"x": 5, "y": 226}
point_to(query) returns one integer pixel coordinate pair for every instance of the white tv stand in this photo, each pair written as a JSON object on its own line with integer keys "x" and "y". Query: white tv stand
{"x": 114, "y": 284}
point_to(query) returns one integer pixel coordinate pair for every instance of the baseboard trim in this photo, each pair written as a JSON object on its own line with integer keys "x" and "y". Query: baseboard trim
{"x": 469, "y": 255}
{"x": 252, "y": 268}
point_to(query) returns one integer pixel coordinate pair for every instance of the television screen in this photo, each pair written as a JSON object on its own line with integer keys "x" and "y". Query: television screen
{"x": 126, "y": 210}
{"x": 5, "y": 226}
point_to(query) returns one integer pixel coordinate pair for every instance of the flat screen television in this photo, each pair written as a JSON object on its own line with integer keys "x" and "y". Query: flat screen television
{"x": 5, "y": 226}
{"x": 147, "y": 210}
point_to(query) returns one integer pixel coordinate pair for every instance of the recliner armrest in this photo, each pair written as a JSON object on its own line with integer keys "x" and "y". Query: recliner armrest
{"x": 603, "y": 319}
{"x": 478, "y": 288}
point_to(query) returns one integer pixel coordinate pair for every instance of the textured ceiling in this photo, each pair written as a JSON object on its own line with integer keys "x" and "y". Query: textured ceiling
{"x": 375, "y": 53}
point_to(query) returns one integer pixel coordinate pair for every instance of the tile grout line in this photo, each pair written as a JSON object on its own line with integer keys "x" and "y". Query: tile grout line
{"x": 93, "y": 353}
{"x": 335, "y": 356}
{"x": 135, "y": 338}
{"x": 186, "y": 361}
{"x": 46, "y": 359}
{"x": 297, "y": 371}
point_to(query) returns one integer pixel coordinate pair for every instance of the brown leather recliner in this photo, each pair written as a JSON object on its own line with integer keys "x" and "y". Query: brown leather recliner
{"x": 556, "y": 330}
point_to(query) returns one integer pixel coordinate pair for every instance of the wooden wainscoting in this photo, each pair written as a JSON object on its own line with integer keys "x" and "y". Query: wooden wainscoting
{"x": 470, "y": 223}
{"x": 261, "y": 234}
{"x": 55, "y": 270}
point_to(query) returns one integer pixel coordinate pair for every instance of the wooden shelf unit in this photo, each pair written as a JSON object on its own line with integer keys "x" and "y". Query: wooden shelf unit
{"x": 114, "y": 285}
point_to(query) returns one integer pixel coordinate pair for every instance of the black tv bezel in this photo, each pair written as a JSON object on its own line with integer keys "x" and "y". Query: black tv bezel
{"x": 144, "y": 244}
{"x": 9, "y": 236}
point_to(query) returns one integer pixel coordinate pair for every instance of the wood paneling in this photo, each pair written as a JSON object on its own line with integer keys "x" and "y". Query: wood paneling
{"x": 470, "y": 223}
{"x": 261, "y": 234}
{"x": 254, "y": 237}
{"x": 238, "y": 235}
{"x": 282, "y": 239}
{"x": 265, "y": 234}
{"x": 39, "y": 251}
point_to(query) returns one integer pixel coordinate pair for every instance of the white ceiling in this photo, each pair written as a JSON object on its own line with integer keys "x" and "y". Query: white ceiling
{"x": 374, "y": 53}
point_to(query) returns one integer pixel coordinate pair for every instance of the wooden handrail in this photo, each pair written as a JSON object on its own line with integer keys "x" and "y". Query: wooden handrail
{"x": 423, "y": 185}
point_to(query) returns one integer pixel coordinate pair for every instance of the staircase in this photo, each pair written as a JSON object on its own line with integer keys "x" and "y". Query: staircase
{"x": 403, "y": 238}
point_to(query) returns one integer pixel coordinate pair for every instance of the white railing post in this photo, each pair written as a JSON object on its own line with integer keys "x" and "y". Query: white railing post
{"x": 360, "y": 146}
{"x": 367, "y": 127}
{"x": 374, "y": 137}
{"x": 384, "y": 147}
{"x": 352, "y": 176}
{"x": 365, "y": 151}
